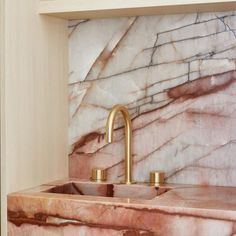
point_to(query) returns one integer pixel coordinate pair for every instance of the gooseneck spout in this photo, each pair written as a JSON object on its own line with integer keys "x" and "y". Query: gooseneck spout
{"x": 128, "y": 137}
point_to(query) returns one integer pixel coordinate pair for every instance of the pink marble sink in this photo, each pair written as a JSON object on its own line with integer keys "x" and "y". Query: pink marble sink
{"x": 74, "y": 207}
{"x": 135, "y": 191}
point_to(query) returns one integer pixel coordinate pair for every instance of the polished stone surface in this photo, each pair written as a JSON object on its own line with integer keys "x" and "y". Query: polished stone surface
{"x": 135, "y": 191}
{"x": 177, "y": 75}
{"x": 183, "y": 210}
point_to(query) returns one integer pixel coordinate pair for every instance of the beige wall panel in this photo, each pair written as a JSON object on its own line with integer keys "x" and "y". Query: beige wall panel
{"x": 83, "y": 9}
{"x": 33, "y": 98}
{"x": 2, "y": 129}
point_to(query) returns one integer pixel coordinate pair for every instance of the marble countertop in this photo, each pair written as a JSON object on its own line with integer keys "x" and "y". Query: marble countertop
{"x": 199, "y": 201}
{"x": 186, "y": 210}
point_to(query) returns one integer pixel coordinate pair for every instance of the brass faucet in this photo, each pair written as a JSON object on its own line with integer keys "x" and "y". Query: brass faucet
{"x": 128, "y": 138}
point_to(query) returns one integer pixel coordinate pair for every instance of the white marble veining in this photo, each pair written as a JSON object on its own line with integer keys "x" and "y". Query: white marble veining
{"x": 176, "y": 74}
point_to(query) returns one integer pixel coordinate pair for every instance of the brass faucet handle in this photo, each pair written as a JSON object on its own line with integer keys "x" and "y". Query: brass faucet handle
{"x": 157, "y": 177}
{"x": 98, "y": 175}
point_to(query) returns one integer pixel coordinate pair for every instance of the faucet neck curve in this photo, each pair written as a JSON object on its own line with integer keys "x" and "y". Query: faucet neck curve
{"x": 128, "y": 137}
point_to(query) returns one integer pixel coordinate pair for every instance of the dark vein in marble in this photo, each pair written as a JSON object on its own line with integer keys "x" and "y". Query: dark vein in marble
{"x": 196, "y": 161}
{"x": 75, "y": 26}
{"x": 227, "y": 26}
{"x": 154, "y": 48}
{"x": 196, "y": 23}
{"x": 159, "y": 33}
{"x": 191, "y": 59}
{"x": 78, "y": 23}
{"x": 204, "y": 56}
{"x": 186, "y": 39}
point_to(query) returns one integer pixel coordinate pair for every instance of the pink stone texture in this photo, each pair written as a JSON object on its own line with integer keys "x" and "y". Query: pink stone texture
{"x": 186, "y": 210}
{"x": 177, "y": 76}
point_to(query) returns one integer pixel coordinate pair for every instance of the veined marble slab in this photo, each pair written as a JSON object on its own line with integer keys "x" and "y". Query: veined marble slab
{"x": 184, "y": 210}
{"x": 177, "y": 75}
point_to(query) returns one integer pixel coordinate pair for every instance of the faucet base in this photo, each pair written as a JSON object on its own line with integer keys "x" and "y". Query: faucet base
{"x": 127, "y": 182}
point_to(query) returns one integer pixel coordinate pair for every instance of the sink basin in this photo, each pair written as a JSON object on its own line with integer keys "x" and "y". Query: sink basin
{"x": 135, "y": 191}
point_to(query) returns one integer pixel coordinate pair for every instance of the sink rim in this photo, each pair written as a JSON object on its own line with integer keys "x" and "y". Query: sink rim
{"x": 160, "y": 189}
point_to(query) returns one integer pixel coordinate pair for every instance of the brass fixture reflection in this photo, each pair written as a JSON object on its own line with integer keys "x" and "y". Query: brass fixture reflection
{"x": 128, "y": 138}
{"x": 157, "y": 177}
{"x": 98, "y": 175}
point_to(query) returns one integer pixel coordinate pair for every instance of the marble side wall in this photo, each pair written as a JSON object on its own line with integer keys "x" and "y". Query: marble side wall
{"x": 177, "y": 76}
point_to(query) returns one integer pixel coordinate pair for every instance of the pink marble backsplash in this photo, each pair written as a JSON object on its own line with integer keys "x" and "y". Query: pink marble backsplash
{"x": 177, "y": 76}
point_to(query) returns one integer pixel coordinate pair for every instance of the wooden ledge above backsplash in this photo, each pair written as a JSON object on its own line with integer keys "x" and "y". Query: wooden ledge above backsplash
{"x": 85, "y": 9}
